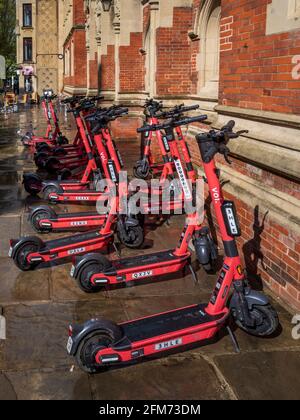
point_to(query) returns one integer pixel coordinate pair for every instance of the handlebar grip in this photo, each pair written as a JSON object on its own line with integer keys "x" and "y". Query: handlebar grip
{"x": 187, "y": 121}
{"x": 229, "y": 126}
{"x": 145, "y": 128}
{"x": 190, "y": 108}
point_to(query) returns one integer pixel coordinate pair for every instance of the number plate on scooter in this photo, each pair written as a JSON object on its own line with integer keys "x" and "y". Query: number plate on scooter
{"x": 10, "y": 252}
{"x": 72, "y": 272}
{"x": 69, "y": 345}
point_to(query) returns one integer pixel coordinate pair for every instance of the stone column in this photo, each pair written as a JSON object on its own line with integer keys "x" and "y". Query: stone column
{"x": 98, "y": 17}
{"x": 154, "y": 8}
{"x": 117, "y": 27}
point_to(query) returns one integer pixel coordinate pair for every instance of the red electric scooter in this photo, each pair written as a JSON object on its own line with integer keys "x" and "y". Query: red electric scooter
{"x": 145, "y": 166}
{"x": 111, "y": 164}
{"x": 44, "y": 151}
{"x": 93, "y": 271}
{"x": 101, "y": 343}
{"x": 52, "y": 137}
{"x": 30, "y": 252}
{"x": 44, "y": 219}
{"x": 90, "y": 174}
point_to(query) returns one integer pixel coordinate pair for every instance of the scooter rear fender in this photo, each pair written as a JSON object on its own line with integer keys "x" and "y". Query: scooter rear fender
{"x": 17, "y": 243}
{"x": 55, "y": 184}
{"x": 79, "y": 332}
{"x": 80, "y": 262}
{"x": 48, "y": 209}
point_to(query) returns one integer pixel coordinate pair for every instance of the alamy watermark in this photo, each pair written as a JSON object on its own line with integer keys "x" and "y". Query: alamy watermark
{"x": 138, "y": 196}
{"x": 296, "y": 329}
{"x": 296, "y": 68}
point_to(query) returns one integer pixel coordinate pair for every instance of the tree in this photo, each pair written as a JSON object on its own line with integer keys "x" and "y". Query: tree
{"x": 8, "y": 33}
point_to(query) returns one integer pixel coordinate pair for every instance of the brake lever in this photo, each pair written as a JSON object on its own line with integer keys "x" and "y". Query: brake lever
{"x": 225, "y": 151}
{"x": 239, "y": 133}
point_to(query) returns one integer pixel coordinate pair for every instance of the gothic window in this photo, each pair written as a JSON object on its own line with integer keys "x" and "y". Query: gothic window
{"x": 209, "y": 57}
{"x": 294, "y": 9}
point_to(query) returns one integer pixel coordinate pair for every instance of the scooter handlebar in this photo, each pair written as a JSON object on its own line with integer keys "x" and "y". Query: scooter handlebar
{"x": 172, "y": 124}
{"x": 181, "y": 109}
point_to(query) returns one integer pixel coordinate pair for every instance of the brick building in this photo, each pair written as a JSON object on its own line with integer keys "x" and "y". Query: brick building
{"x": 238, "y": 59}
{"x": 37, "y": 44}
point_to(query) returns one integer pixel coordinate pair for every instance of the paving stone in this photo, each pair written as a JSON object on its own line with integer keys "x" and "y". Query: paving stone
{"x": 37, "y": 334}
{"x": 7, "y": 391}
{"x": 18, "y": 286}
{"x": 183, "y": 378}
{"x": 263, "y": 375}
{"x": 10, "y": 228}
{"x": 52, "y": 385}
{"x": 65, "y": 288}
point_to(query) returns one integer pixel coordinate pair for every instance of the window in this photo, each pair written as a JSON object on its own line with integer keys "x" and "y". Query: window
{"x": 27, "y": 15}
{"x": 27, "y": 49}
{"x": 294, "y": 9}
{"x": 209, "y": 57}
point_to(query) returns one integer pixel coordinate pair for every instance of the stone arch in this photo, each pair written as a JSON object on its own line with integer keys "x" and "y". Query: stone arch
{"x": 207, "y": 28}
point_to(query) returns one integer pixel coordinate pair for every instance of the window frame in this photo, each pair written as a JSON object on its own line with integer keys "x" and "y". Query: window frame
{"x": 24, "y": 7}
{"x": 24, "y": 49}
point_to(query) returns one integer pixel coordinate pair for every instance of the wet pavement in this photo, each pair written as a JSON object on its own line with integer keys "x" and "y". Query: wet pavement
{"x": 39, "y": 305}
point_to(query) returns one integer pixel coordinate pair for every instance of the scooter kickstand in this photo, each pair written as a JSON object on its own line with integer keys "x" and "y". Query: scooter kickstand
{"x": 234, "y": 340}
{"x": 117, "y": 251}
{"x": 194, "y": 275}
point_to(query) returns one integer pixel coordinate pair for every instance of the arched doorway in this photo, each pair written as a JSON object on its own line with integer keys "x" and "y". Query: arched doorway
{"x": 209, "y": 57}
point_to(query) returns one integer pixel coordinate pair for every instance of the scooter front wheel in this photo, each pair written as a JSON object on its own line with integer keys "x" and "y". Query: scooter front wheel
{"x": 266, "y": 321}
{"x": 134, "y": 237}
{"x": 21, "y": 255}
{"x": 91, "y": 344}
{"x": 141, "y": 171}
{"x": 86, "y": 274}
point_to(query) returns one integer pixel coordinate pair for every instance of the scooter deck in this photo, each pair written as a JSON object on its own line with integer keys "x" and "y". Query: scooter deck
{"x": 77, "y": 215}
{"x": 161, "y": 324}
{"x": 140, "y": 261}
{"x": 72, "y": 240}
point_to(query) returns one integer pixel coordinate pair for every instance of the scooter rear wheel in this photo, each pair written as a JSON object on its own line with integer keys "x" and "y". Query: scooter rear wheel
{"x": 53, "y": 165}
{"x": 92, "y": 343}
{"x": 43, "y": 147}
{"x": 40, "y": 159}
{"x": 35, "y": 219}
{"x": 266, "y": 318}
{"x": 48, "y": 190}
{"x": 92, "y": 268}
{"x": 32, "y": 185}
{"x": 20, "y": 258}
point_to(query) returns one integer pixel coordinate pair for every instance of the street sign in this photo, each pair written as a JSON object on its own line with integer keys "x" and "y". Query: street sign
{"x": 2, "y": 68}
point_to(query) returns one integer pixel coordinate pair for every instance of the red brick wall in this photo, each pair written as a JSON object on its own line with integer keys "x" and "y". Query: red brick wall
{"x": 174, "y": 68}
{"x": 79, "y": 80}
{"x": 132, "y": 65}
{"x": 80, "y": 59}
{"x": 257, "y": 71}
{"x": 108, "y": 69}
{"x": 93, "y": 65}
{"x": 78, "y": 12}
